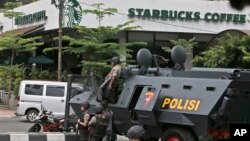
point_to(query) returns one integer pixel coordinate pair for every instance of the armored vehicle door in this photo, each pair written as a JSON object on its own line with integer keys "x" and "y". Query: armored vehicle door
{"x": 145, "y": 105}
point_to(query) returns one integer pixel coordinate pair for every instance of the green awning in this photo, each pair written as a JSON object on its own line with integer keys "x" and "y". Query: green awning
{"x": 40, "y": 60}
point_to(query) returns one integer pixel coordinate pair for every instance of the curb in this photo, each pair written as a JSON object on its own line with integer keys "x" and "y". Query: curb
{"x": 7, "y": 113}
{"x": 43, "y": 137}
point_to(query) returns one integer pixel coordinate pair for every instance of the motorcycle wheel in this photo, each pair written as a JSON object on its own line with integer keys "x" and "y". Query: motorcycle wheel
{"x": 35, "y": 128}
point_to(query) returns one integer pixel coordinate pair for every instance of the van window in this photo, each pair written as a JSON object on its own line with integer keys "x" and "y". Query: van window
{"x": 57, "y": 91}
{"x": 31, "y": 89}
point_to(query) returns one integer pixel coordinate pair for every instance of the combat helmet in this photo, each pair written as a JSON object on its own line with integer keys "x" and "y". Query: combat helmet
{"x": 99, "y": 108}
{"x": 116, "y": 60}
{"x": 136, "y": 131}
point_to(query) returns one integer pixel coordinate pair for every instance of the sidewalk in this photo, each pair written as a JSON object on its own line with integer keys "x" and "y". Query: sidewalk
{"x": 6, "y": 112}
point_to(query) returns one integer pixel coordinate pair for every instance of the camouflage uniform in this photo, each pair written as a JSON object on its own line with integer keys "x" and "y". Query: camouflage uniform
{"x": 111, "y": 94}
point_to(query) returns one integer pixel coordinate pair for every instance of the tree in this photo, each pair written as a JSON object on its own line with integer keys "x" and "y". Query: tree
{"x": 17, "y": 73}
{"x": 100, "y": 12}
{"x": 187, "y": 44}
{"x": 10, "y": 41}
{"x": 23, "y": 2}
{"x": 95, "y": 46}
{"x": 232, "y": 51}
{"x": 9, "y": 12}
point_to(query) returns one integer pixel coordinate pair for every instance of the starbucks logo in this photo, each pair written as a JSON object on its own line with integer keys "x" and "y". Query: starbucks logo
{"x": 72, "y": 11}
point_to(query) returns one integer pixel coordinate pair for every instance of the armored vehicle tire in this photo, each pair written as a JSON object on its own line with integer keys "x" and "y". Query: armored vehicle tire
{"x": 177, "y": 134}
{"x": 31, "y": 115}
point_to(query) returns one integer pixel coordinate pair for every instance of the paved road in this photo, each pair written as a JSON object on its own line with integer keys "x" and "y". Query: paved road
{"x": 14, "y": 124}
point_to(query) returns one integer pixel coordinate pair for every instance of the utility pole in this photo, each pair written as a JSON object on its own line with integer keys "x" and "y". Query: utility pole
{"x": 59, "y": 70}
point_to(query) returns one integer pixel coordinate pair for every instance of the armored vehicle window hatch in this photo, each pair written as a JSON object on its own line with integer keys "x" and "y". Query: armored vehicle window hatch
{"x": 134, "y": 100}
{"x": 145, "y": 105}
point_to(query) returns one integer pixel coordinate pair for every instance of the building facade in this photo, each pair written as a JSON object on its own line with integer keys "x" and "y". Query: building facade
{"x": 159, "y": 20}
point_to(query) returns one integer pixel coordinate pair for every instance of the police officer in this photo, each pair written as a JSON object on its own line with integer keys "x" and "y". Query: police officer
{"x": 113, "y": 77}
{"x": 82, "y": 123}
{"x": 136, "y": 133}
{"x": 110, "y": 136}
{"x": 98, "y": 124}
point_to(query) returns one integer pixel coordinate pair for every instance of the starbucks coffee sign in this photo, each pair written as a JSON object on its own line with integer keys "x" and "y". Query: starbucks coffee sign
{"x": 186, "y": 15}
{"x": 31, "y": 18}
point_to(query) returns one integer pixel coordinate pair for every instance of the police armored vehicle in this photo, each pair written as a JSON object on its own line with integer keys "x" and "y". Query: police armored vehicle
{"x": 176, "y": 104}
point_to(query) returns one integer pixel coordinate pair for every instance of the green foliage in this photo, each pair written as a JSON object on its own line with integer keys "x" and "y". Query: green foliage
{"x": 18, "y": 77}
{"x": 230, "y": 52}
{"x": 12, "y": 76}
{"x": 3, "y": 78}
{"x": 98, "y": 68}
{"x": 100, "y": 13}
{"x": 16, "y": 74}
{"x": 9, "y": 12}
{"x": 187, "y": 44}
{"x": 97, "y": 45}
{"x": 95, "y": 48}
{"x": 44, "y": 74}
{"x": 10, "y": 41}
{"x": 38, "y": 74}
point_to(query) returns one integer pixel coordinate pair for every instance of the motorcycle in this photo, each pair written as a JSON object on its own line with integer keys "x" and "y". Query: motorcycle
{"x": 50, "y": 123}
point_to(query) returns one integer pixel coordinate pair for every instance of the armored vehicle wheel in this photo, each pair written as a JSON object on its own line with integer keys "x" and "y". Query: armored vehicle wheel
{"x": 177, "y": 134}
{"x": 31, "y": 115}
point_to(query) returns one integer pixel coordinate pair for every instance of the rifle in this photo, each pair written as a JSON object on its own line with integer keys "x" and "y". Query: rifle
{"x": 104, "y": 84}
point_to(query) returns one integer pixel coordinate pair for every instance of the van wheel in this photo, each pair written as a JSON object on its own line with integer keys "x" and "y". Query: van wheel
{"x": 31, "y": 115}
{"x": 177, "y": 134}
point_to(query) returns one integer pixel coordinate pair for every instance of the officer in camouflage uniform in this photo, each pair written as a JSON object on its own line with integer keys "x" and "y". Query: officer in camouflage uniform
{"x": 113, "y": 77}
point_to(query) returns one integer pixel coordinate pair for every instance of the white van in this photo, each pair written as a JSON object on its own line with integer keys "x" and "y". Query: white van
{"x": 51, "y": 94}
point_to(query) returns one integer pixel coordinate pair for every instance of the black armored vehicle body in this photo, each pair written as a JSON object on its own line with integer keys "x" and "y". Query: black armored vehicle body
{"x": 176, "y": 104}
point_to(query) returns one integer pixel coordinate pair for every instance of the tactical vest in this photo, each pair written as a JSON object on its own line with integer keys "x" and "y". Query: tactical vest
{"x": 100, "y": 126}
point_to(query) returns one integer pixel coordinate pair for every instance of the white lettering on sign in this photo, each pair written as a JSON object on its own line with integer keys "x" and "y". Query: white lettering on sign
{"x": 240, "y": 132}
